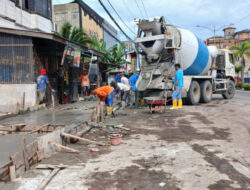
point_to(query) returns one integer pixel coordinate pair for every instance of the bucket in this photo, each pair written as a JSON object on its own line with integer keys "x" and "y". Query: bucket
{"x": 115, "y": 139}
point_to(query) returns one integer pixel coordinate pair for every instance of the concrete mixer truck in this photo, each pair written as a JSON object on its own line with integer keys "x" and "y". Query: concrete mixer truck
{"x": 206, "y": 69}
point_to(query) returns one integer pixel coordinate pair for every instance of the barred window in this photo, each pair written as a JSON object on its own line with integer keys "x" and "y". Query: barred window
{"x": 16, "y": 59}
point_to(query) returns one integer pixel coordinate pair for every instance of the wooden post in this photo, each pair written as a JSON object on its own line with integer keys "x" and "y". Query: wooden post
{"x": 101, "y": 112}
{"x": 25, "y": 154}
{"x": 23, "y": 100}
{"x": 12, "y": 171}
{"x": 53, "y": 100}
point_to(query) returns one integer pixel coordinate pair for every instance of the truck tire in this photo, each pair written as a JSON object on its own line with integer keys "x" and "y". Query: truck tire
{"x": 206, "y": 91}
{"x": 229, "y": 94}
{"x": 194, "y": 93}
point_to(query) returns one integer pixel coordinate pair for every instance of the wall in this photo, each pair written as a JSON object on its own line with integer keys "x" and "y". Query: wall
{"x": 13, "y": 95}
{"x": 109, "y": 34}
{"x": 16, "y": 18}
{"x": 66, "y": 13}
{"x": 90, "y": 26}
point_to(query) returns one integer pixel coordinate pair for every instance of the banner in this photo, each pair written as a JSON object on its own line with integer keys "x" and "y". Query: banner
{"x": 77, "y": 58}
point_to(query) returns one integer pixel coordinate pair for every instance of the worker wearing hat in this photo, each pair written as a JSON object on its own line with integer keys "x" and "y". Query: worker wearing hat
{"x": 178, "y": 84}
{"x": 42, "y": 82}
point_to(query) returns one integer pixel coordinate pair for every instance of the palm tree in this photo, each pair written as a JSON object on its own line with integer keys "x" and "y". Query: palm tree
{"x": 242, "y": 51}
{"x": 101, "y": 46}
{"x": 116, "y": 55}
{"x": 76, "y": 35}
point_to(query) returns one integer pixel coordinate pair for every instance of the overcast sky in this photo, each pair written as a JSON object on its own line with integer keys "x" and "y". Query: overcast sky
{"x": 182, "y": 13}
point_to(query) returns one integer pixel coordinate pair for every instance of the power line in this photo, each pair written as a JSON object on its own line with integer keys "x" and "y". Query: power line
{"x": 144, "y": 8}
{"x": 128, "y": 9}
{"x": 139, "y": 8}
{"x": 120, "y": 18}
{"x": 112, "y": 18}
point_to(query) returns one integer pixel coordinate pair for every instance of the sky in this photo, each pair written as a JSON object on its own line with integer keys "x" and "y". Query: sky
{"x": 181, "y": 13}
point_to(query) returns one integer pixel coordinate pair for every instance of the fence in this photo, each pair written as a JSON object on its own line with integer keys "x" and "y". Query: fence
{"x": 16, "y": 59}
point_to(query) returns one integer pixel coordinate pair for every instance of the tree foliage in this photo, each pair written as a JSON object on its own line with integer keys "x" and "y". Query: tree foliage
{"x": 242, "y": 51}
{"x": 75, "y": 35}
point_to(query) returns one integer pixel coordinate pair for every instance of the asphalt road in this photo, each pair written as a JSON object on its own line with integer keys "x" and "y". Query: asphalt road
{"x": 242, "y": 95}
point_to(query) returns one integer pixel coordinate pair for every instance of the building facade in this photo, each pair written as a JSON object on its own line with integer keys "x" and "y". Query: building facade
{"x": 230, "y": 38}
{"x": 79, "y": 14}
{"x": 26, "y": 15}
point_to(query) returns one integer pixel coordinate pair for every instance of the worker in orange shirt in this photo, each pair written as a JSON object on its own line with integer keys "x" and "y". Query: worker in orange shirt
{"x": 106, "y": 94}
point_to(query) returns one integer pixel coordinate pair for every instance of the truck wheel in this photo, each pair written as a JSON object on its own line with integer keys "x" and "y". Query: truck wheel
{"x": 229, "y": 94}
{"x": 194, "y": 93}
{"x": 206, "y": 91}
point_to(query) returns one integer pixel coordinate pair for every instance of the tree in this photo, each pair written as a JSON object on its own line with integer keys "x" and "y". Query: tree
{"x": 116, "y": 55}
{"x": 238, "y": 68}
{"x": 242, "y": 51}
{"x": 75, "y": 35}
{"x": 101, "y": 46}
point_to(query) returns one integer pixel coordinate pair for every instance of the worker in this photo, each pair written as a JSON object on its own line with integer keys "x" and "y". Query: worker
{"x": 42, "y": 82}
{"x": 84, "y": 78}
{"x": 133, "y": 91}
{"x": 178, "y": 84}
{"x": 125, "y": 81}
{"x": 105, "y": 94}
{"x": 124, "y": 89}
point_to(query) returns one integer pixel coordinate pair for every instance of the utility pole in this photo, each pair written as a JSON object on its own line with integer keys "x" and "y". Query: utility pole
{"x": 213, "y": 30}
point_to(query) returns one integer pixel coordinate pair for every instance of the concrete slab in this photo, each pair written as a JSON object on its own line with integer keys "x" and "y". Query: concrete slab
{"x": 10, "y": 144}
{"x": 66, "y": 116}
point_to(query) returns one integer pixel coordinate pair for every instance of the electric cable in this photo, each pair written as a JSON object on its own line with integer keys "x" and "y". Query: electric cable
{"x": 112, "y": 18}
{"x": 120, "y": 17}
{"x": 139, "y": 8}
{"x": 144, "y": 9}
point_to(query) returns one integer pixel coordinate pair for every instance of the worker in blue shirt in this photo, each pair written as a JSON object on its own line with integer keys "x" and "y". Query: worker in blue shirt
{"x": 134, "y": 93}
{"x": 178, "y": 84}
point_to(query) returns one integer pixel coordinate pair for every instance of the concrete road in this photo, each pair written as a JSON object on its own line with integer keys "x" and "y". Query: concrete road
{"x": 196, "y": 148}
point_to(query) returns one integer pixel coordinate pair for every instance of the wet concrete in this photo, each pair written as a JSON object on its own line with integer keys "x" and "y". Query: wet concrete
{"x": 63, "y": 115}
{"x": 10, "y": 144}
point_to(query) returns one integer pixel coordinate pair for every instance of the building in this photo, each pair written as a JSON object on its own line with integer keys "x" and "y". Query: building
{"x": 243, "y": 35}
{"x": 26, "y": 47}
{"x": 79, "y": 14}
{"x": 230, "y": 38}
{"x": 26, "y": 15}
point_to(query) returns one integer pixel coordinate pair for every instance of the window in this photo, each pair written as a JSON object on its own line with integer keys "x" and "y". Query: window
{"x": 16, "y": 59}
{"x": 231, "y": 58}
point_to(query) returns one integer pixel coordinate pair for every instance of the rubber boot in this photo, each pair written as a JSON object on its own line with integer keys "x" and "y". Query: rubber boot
{"x": 174, "y": 105}
{"x": 179, "y": 104}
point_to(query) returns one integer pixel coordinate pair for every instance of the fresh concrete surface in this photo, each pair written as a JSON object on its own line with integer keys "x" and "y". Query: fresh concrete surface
{"x": 10, "y": 144}
{"x": 196, "y": 148}
{"x": 63, "y": 115}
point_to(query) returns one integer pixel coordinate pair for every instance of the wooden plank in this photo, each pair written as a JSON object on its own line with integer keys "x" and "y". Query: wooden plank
{"x": 121, "y": 127}
{"x": 48, "y": 179}
{"x": 17, "y": 159}
{"x": 50, "y": 166}
{"x": 82, "y": 139}
{"x": 25, "y": 155}
{"x": 12, "y": 171}
{"x": 4, "y": 171}
{"x": 64, "y": 147}
{"x": 20, "y": 171}
{"x": 40, "y": 154}
{"x": 32, "y": 149}
{"x": 33, "y": 131}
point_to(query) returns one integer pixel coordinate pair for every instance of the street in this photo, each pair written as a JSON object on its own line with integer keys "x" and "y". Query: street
{"x": 198, "y": 147}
